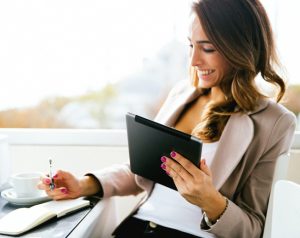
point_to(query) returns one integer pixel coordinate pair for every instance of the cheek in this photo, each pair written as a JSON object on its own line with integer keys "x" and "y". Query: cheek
{"x": 223, "y": 68}
{"x": 220, "y": 75}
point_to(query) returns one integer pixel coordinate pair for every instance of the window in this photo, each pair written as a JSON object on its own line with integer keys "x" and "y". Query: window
{"x": 284, "y": 16}
{"x": 84, "y": 64}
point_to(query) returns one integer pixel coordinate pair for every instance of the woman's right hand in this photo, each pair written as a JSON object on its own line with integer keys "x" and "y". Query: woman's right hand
{"x": 67, "y": 186}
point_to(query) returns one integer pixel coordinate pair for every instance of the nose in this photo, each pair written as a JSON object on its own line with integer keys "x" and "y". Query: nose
{"x": 196, "y": 58}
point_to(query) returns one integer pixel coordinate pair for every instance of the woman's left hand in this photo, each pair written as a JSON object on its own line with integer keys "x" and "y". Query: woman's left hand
{"x": 193, "y": 183}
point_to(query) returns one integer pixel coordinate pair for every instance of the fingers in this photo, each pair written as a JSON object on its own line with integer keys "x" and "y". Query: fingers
{"x": 184, "y": 163}
{"x": 179, "y": 172}
{"x": 44, "y": 183}
{"x": 61, "y": 174}
{"x": 205, "y": 168}
{"x": 56, "y": 193}
{"x": 59, "y": 191}
{"x": 180, "y": 166}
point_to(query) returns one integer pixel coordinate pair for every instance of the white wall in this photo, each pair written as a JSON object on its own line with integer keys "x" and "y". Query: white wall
{"x": 78, "y": 159}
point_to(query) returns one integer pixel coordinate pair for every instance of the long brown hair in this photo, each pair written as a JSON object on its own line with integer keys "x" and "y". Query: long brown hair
{"x": 241, "y": 32}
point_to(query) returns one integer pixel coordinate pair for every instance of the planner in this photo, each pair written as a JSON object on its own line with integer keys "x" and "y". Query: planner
{"x": 24, "y": 219}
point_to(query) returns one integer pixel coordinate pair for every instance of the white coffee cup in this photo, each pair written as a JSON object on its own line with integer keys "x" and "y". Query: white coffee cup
{"x": 25, "y": 184}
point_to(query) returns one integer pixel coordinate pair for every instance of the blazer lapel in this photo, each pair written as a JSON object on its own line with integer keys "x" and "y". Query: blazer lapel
{"x": 174, "y": 105}
{"x": 234, "y": 141}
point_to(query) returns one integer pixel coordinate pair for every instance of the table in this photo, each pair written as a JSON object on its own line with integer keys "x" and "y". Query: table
{"x": 95, "y": 221}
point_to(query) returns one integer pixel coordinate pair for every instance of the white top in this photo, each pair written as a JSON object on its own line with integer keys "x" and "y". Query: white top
{"x": 160, "y": 206}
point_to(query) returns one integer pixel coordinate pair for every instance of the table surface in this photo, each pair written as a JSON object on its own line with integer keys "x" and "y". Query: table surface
{"x": 58, "y": 227}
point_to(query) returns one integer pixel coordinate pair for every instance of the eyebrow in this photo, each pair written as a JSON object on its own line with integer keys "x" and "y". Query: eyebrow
{"x": 201, "y": 41}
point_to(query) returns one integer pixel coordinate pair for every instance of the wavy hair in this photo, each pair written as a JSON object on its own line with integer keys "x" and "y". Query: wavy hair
{"x": 241, "y": 32}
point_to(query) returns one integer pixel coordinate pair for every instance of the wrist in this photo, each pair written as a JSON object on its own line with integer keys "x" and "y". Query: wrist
{"x": 89, "y": 185}
{"x": 216, "y": 208}
{"x": 82, "y": 185}
{"x": 210, "y": 220}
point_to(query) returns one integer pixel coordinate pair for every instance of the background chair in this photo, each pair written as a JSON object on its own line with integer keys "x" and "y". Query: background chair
{"x": 286, "y": 210}
{"x": 281, "y": 171}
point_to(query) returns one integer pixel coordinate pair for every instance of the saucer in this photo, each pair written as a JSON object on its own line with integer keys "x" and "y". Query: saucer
{"x": 11, "y": 196}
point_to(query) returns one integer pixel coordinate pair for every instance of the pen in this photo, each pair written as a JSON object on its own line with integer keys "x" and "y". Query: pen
{"x": 51, "y": 185}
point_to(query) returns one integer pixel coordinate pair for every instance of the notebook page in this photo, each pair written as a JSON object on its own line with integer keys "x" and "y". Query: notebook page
{"x": 23, "y": 219}
{"x": 63, "y": 207}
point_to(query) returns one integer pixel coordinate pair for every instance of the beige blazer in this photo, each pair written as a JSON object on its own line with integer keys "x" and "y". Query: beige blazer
{"x": 242, "y": 168}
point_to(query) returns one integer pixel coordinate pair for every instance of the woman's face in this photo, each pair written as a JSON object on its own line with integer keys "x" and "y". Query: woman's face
{"x": 210, "y": 65}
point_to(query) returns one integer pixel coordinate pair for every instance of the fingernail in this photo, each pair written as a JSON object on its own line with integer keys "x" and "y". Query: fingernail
{"x": 55, "y": 176}
{"x": 173, "y": 154}
{"x": 64, "y": 190}
{"x": 163, "y": 166}
{"x": 163, "y": 159}
{"x": 47, "y": 181}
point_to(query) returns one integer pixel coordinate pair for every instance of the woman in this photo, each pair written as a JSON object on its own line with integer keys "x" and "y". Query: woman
{"x": 243, "y": 132}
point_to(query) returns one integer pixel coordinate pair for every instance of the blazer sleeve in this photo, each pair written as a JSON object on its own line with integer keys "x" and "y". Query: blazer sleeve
{"x": 245, "y": 214}
{"x": 117, "y": 180}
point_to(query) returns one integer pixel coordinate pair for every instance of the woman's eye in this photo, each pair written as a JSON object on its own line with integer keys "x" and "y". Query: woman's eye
{"x": 208, "y": 50}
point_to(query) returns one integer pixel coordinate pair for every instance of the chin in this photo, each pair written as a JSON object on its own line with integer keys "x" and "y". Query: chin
{"x": 205, "y": 85}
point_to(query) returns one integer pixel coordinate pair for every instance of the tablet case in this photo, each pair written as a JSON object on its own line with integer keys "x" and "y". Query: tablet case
{"x": 148, "y": 141}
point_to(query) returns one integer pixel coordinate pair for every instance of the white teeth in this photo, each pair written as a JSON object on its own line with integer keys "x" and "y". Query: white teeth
{"x": 205, "y": 72}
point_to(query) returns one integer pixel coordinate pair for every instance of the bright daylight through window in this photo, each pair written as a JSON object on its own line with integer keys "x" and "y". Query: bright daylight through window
{"x": 84, "y": 64}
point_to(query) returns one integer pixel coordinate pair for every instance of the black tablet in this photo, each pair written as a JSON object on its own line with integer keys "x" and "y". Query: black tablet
{"x": 148, "y": 141}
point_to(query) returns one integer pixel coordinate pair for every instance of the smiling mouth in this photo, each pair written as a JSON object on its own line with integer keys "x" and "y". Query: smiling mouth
{"x": 205, "y": 72}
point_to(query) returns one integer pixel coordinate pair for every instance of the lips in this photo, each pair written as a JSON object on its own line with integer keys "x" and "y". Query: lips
{"x": 205, "y": 72}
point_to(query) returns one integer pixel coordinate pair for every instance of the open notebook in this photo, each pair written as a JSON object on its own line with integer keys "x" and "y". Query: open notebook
{"x": 23, "y": 219}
